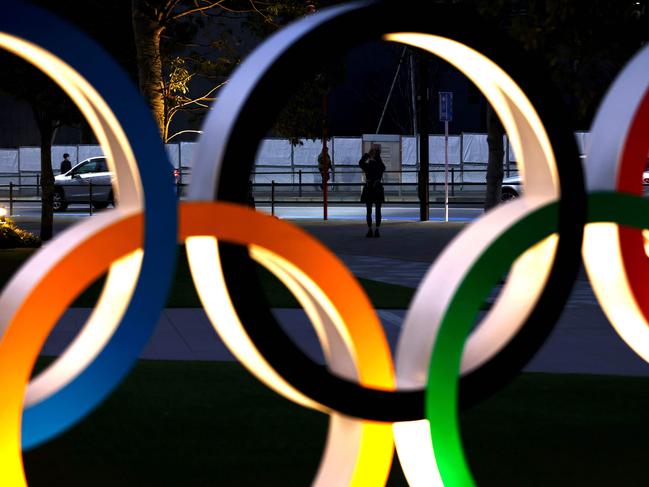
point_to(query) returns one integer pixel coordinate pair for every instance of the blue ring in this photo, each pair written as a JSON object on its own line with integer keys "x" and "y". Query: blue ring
{"x": 69, "y": 405}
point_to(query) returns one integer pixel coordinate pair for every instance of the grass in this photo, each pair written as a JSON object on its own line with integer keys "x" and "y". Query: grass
{"x": 200, "y": 423}
{"x": 183, "y": 293}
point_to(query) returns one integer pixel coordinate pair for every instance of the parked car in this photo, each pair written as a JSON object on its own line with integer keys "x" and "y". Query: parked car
{"x": 92, "y": 175}
{"x": 512, "y": 188}
{"x": 90, "y": 181}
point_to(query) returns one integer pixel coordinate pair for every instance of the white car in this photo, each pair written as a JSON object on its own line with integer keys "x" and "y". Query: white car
{"x": 512, "y": 188}
{"x": 90, "y": 181}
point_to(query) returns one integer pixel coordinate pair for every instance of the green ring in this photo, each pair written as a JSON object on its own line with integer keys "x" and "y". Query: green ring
{"x": 441, "y": 396}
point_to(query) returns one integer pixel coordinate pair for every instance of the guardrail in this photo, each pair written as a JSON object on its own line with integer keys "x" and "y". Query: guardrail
{"x": 296, "y": 174}
{"x": 300, "y": 192}
{"x": 14, "y": 193}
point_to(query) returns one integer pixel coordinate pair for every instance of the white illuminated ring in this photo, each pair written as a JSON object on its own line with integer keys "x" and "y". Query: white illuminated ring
{"x": 519, "y": 297}
{"x": 616, "y": 160}
{"x": 122, "y": 275}
{"x": 528, "y": 275}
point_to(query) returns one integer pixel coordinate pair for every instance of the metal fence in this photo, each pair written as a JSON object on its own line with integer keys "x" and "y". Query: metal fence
{"x": 302, "y": 188}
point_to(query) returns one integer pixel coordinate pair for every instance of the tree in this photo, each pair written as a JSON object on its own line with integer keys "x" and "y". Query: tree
{"x": 303, "y": 116}
{"x": 170, "y": 55}
{"x": 495, "y": 134}
{"x": 177, "y": 97}
{"x": 584, "y": 43}
{"x": 51, "y": 109}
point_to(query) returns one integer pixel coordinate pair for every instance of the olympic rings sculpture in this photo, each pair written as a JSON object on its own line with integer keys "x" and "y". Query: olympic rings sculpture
{"x": 374, "y": 404}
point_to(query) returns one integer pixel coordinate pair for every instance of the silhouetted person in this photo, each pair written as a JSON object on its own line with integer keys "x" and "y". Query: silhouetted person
{"x": 324, "y": 166}
{"x": 66, "y": 165}
{"x": 373, "y": 194}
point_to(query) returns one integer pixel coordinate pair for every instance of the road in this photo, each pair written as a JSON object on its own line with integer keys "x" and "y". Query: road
{"x": 389, "y": 213}
{"x": 29, "y": 210}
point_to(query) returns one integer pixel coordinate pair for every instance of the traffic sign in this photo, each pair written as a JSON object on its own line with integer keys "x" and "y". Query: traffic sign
{"x": 445, "y": 106}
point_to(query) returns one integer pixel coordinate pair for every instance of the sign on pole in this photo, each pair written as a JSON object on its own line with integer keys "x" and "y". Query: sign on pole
{"x": 445, "y": 106}
{"x": 446, "y": 116}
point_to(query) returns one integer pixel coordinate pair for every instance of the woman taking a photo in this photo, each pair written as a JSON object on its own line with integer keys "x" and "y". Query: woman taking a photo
{"x": 372, "y": 194}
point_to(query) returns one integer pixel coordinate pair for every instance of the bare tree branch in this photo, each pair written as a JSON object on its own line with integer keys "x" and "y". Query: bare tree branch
{"x": 185, "y": 132}
{"x": 205, "y": 97}
{"x": 268, "y": 18}
{"x": 197, "y": 9}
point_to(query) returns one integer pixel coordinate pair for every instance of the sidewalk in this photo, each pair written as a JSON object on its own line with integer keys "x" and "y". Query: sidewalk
{"x": 583, "y": 341}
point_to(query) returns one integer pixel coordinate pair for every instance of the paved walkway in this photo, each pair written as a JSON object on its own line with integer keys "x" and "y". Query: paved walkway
{"x": 583, "y": 341}
{"x": 386, "y": 269}
{"x": 186, "y": 334}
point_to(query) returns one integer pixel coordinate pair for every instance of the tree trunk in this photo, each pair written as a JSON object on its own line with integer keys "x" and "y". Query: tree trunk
{"x": 423, "y": 100}
{"x": 47, "y": 128}
{"x": 87, "y": 136}
{"x": 495, "y": 133}
{"x": 147, "y": 31}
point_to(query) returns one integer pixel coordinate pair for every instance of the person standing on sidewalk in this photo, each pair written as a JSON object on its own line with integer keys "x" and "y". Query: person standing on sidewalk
{"x": 66, "y": 165}
{"x": 373, "y": 193}
{"x": 324, "y": 165}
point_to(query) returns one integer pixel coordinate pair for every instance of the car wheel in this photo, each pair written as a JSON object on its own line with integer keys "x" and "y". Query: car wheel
{"x": 99, "y": 205}
{"x": 111, "y": 199}
{"x": 58, "y": 202}
{"x": 508, "y": 194}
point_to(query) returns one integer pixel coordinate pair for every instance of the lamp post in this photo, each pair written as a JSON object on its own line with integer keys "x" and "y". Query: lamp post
{"x": 422, "y": 97}
{"x": 325, "y": 165}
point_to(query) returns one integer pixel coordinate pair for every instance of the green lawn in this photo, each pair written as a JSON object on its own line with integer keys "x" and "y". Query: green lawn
{"x": 183, "y": 293}
{"x": 199, "y": 423}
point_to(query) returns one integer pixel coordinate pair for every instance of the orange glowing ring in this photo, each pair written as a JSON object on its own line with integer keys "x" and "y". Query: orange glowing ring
{"x": 370, "y": 454}
{"x": 358, "y": 452}
{"x": 515, "y": 327}
{"x": 246, "y": 110}
{"x": 360, "y": 372}
{"x": 93, "y": 255}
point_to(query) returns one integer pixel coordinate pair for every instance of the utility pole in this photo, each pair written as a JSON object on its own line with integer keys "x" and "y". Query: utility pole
{"x": 423, "y": 99}
{"x": 325, "y": 162}
{"x": 446, "y": 116}
{"x": 413, "y": 100}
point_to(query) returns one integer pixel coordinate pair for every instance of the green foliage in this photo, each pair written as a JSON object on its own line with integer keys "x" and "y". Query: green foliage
{"x": 303, "y": 116}
{"x": 12, "y": 237}
{"x": 25, "y": 82}
{"x": 584, "y": 43}
{"x": 200, "y": 51}
{"x": 179, "y": 77}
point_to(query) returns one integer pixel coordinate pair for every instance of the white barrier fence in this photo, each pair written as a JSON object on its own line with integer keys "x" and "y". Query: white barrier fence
{"x": 465, "y": 151}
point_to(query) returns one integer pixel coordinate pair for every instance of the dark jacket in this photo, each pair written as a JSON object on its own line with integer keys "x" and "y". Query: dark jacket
{"x": 66, "y": 165}
{"x": 373, "y": 188}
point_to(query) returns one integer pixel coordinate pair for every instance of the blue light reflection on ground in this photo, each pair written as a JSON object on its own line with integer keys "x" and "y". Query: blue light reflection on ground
{"x": 391, "y": 218}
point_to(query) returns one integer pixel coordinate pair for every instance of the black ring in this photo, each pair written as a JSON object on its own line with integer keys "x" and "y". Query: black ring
{"x": 255, "y": 96}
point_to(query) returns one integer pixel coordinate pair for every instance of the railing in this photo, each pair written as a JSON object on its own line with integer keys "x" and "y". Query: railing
{"x": 296, "y": 174}
{"x": 273, "y": 192}
{"x": 302, "y": 178}
{"x": 398, "y": 185}
{"x": 349, "y": 193}
{"x": 11, "y": 194}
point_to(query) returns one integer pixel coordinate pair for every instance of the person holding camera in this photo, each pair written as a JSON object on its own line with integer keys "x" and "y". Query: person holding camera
{"x": 373, "y": 193}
